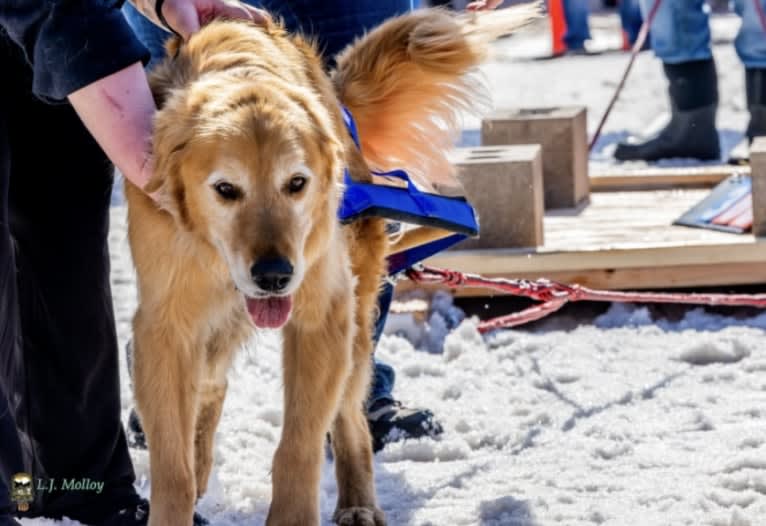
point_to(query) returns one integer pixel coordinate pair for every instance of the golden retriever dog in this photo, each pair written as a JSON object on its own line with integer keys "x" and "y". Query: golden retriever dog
{"x": 250, "y": 147}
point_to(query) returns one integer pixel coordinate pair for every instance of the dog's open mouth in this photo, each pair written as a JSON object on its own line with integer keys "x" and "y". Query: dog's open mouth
{"x": 270, "y": 312}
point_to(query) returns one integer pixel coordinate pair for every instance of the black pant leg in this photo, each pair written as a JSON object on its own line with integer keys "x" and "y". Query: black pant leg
{"x": 60, "y": 186}
{"x": 10, "y": 345}
{"x": 14, "y": 457}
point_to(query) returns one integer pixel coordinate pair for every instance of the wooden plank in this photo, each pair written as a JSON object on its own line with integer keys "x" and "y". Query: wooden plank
{"x": 625, "y": 240}
{"x": 616, "y": 178}
{"x": 657, "y": 278}
{"x": 502, "y": 262}
{"x": 631, "y": 220}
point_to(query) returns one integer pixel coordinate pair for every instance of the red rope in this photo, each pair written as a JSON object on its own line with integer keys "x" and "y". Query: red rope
{"x": 553, "y": 296}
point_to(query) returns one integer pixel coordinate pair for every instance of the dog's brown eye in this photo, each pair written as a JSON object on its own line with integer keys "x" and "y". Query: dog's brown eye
{"x": 227, "y": 190}
{"x": 296, "y": 184}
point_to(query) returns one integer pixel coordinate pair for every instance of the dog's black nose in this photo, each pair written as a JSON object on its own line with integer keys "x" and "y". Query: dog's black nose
{"x": 272, "y": 274}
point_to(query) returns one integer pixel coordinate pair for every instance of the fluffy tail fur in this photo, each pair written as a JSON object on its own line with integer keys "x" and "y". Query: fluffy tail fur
{"x": 408, "y": 81}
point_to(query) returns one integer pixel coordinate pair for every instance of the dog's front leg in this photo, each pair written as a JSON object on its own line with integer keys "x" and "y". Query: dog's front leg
{"x": 316, "y": 365}
{"x": 166, "y": 377}
{"x": 352, "y": 445}
{"x": 211, "y": 400}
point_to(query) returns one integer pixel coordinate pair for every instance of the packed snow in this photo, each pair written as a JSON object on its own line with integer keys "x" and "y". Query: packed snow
{"x": 626, "y": 418}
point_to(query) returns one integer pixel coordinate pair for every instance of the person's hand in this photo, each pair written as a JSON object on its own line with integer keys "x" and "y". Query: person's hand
{"x": 483, "y": 5}
{"x": 185, "y": 17}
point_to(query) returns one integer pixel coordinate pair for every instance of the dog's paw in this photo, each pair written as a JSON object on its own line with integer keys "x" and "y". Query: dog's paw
{"x": 359, "y": 517}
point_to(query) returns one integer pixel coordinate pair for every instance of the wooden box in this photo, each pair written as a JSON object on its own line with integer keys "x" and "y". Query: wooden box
{"x": 505, "y": 186}
{"x": 563, "y": 134}
{"x": 758, "y": 173}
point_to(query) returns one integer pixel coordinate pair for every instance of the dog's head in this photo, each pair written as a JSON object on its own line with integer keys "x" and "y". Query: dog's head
{"x": 253, "y": 168}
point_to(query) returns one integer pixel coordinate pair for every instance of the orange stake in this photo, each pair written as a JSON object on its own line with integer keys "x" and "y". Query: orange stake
{"x": 558, "y": 26}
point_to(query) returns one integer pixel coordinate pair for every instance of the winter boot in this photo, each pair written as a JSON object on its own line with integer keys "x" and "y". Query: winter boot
{"x": 389, "y": 421}
{"x": 755, "y": 85}
{"x": 691, "y": 132}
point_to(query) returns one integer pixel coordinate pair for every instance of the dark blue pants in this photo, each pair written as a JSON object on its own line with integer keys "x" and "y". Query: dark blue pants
{"x": 631, "y": 19}
{"x": 578, "y": 30}
{"x": 383, "y": 375}
{"x": 335, "y": 24}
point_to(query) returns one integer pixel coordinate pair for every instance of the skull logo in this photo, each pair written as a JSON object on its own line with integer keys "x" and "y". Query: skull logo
{"x": 22, "y": 491}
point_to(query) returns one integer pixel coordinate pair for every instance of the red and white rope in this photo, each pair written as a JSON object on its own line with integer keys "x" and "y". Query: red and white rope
{"x": 553, "y": 295}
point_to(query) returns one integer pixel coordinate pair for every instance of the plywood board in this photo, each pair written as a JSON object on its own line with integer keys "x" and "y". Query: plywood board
{"x": 625, "y": 240}
{"x": 617, "y": 178}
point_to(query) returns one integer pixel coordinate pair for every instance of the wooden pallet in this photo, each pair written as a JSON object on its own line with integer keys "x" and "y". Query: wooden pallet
{"x": 624, "y": 240}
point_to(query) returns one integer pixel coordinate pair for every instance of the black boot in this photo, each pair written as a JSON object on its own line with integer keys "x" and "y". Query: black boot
{"x": 755, "y": 85}
{"x": 691, "y": 132}
{"x": 390, "y": 421}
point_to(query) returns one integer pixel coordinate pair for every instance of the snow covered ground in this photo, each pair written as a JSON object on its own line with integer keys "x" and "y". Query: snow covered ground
{"x": 624, "y": 421}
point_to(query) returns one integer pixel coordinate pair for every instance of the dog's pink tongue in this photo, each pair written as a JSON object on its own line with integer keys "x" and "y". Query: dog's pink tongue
{"x": 269, "y": 313}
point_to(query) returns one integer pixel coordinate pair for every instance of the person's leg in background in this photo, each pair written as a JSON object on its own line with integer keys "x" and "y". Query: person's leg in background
{"x": 680, "y": 36}
{"x": 390, "y": 420}
{"x": 631, "y": 21}
{"x": 751, "y": 48}
{"x": 59, "y": 226}
{"x": 578, "y": 32}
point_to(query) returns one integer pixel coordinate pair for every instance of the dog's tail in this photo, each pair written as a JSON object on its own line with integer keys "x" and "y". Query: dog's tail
{"x": 408, "y": 81}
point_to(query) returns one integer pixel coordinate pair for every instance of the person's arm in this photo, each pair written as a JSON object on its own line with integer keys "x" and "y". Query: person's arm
{"x": 70, "y": 43}
{"x": 118, "y": 112}
{"x": 84, "y": 50}
{"x": 118, "y": 109}
{"x": 87, "y": 49}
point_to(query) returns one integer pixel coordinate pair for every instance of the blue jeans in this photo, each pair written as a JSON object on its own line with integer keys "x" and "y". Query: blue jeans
{"x": 576, "y": 15}
{"x": 681, "y": 32}
{"x": 335, "y": 24}
{"x": 631, "y": 19}
{"x": 384, "y": 377}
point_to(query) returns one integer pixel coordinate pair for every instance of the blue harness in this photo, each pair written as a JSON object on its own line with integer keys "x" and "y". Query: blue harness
{"x": 408, "y": 205}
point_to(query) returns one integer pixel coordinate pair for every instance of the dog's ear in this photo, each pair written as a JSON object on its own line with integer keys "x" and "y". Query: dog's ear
{"x": 168, "y": 192}
{"x": 171, "y": 138}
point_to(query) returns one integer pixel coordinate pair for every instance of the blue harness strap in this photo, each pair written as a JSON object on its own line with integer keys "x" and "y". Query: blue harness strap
{"x": 409, "y": 205}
